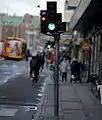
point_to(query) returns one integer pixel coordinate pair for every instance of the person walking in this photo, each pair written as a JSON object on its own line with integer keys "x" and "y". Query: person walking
{"x": 64, "y": 69}
{"x": 28, "y": 54}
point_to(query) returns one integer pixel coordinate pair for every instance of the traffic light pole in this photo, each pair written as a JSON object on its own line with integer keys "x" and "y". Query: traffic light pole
{"x": 56, "y": 78}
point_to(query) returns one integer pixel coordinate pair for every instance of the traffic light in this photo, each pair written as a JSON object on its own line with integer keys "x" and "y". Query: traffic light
{"x": 52, "y": 6}
{"x": 51, "y": 22}
{"x": 43, "y": 20}
{"x": 61, "y": 27}
{"x": 50, "y": 44}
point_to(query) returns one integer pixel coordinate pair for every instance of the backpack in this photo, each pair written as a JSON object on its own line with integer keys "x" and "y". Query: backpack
{"x": 33, "y": 63}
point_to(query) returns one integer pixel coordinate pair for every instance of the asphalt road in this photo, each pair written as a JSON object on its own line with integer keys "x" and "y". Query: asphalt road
{"x": 18, "y": 98}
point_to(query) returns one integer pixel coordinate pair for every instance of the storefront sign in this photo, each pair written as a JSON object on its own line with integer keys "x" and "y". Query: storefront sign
{"x": 85, "y": 45}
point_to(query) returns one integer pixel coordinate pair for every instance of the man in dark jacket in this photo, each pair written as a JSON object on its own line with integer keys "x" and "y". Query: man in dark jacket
{"x": 34, "y": 66}
{"x": 75, "y": 69}
{"x": 42, "y": 60}
{"x": 27, "y": 55}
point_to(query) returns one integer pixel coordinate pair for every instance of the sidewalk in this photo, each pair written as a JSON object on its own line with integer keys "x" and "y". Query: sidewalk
{"x": 76, "y": 103}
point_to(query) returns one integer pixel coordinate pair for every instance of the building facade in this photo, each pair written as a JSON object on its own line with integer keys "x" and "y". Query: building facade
{"x": 88, "y": 22}
{"x": 16, "y": 26}
{"x": 69, "y": 9}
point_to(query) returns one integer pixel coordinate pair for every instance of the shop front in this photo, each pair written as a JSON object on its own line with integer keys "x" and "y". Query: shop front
{"x": 89, "y": 24}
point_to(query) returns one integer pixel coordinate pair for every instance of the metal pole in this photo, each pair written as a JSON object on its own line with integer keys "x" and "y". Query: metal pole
{"x": 89, "y": 62}
{"x": 56, "y": 80}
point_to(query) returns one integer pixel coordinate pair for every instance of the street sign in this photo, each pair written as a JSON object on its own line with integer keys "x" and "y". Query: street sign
{"x": 47, "y": 38}
{"x": 65, "y": 36}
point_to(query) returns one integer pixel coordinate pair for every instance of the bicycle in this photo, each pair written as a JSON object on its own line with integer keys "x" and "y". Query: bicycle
{"x": 95, "y": 85}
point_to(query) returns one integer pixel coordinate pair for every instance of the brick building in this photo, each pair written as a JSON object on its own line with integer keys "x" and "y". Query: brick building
{"x": 17, "y": 26}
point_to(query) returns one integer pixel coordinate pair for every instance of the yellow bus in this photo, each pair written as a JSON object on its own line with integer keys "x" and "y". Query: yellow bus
{"x": 14, "y": 47}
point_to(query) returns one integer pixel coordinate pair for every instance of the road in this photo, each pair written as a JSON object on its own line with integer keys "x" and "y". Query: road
{"x": 18, "y": 98}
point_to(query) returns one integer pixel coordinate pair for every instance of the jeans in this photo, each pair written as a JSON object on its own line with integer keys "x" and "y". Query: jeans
{"x": 64, "y": 76}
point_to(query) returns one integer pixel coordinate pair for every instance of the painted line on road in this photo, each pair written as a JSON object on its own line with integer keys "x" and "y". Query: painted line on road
{"x": 7, "y": 78}
{"x": 4, "y": 66}
{"x": 39, "y": 94}
{"x": 6, "y": 73}
{"x": 8, "y": 112}
{"x": 42, "y": 89}
{"x": 5, "y": 81}
{"x": 38, "y": 99}
{"x": 42, "y": 75}
{"x": 18, "y": 73}
{"x": 30, "y": 108}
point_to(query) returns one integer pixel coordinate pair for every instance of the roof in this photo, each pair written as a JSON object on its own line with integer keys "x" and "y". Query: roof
{"x": 10, "y": 20}
{"x": 36, "y": 21}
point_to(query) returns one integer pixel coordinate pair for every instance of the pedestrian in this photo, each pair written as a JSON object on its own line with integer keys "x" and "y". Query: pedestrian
{"x": 34, "y": 66}
{"x": 42, "y": 60}
{"x": 64, "y": 69}
{"x": 52, "y": 57}
{"x": 28, "y": 54}
{"x": 75, "y": 69}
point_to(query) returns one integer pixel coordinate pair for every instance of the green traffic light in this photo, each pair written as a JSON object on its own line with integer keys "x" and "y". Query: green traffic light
{"x": 48, "y": 46}
{"x": 51, "y": 26}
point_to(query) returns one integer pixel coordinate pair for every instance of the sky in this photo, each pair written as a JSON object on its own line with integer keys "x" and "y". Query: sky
{"x": 20, "y": 7}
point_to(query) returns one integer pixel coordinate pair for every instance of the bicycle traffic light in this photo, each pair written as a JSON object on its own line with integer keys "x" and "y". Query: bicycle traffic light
{"x": 43, "y": 20}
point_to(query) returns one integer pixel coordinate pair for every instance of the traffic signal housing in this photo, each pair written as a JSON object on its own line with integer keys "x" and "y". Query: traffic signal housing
{"x": 50, "y": 44}
{"x": 43, "y": 21}
{"x": 52, "y": 6}
{"x": 52, "y": 21}
{"x": 61, "y": 27}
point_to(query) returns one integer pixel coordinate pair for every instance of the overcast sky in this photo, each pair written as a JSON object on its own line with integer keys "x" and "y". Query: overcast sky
{"x": 20, "y": 7}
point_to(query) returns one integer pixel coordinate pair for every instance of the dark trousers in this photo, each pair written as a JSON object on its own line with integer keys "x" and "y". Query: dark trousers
{"x": 42, "y": 66}
{"x": 36, "y": 72}
{"x": 64, "y": 76}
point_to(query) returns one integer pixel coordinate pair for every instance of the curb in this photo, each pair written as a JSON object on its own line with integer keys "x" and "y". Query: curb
{"x": 39, "y": 107}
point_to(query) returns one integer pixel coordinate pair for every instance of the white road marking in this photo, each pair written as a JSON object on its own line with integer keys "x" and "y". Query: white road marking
{"x": 42, "y": 75}
{"x": 35, "y": 108}
{"x": 42, "y": 89}
{"x": 39, "y": 94}
{"x": 18, "y": 73}
{"x": 29, "y": 108}
{"x": 4, "y": 66}
{"x": 8, "y": 112}
{"x": 5, "y": 80}
{"x": 38, "y": 99}
{"x": 14, "y": 66}
{"x": 7, "y": 73}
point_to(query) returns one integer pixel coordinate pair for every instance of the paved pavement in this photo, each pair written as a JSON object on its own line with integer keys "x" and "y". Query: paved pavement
{"x": 76, "y": 103}
{"x": 18, "y": 98}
